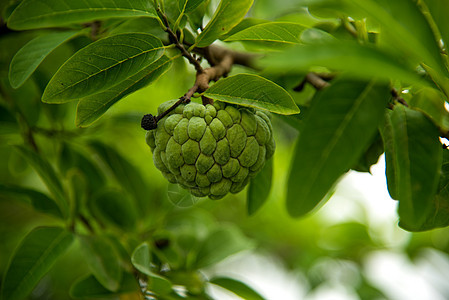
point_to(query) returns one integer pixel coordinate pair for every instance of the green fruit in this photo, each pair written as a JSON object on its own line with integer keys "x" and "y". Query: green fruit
{"x": 211, "y": 150}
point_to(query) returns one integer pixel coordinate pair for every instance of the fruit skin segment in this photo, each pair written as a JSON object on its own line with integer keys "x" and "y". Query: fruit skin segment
{"x": 211, "y": 150}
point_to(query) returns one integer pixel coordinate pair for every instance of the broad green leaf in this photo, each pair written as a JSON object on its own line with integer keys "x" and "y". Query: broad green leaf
{"x": 114, "y": 207}
{"x": 219, "y": 244}
{"x": 253, "y": 91}
{"x": 431, "y": 102}
{"x": 180, "y": 197}
{"x": 386, "y": 131}
{"x": 102, "y": 65}
{"x": 228, "y": 14}
{"x": 237, "y": 287}
{"x": 89, "y": 287}
{"x": 93, "y": 107}
{"x": 103, "y": 260}
{"x": 339, "y": 126}
{"x": 259, "y": 188}
{"x": 39, "y": 201}
{"x": 244, "y": 24}
{"x": 417, "y": 163}
{"x": 31, "y": 14}
{"x": 28, "y": 58}
{"x": 189, "y": 5}
{"x": 33, "y": 258}
{"x": 370, "y": 156}
{"x": 276, "y": 32}
{"x": 343, "y": 56}
{"x": 48, "y": 176}
{"x": 438, "y": 10}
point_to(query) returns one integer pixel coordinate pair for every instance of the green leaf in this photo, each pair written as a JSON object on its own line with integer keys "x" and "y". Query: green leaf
{"x": 438, "y": 11}
{"x": 370, "y": 156}
{"x": 244, "y": 24}
{"x": 102, "y": 65}
{"x": 93, "y": 107}
{"x": 31, "y": 14}
{"x": 431, "y": 102}
{"x": 219, "y": 244}
{"x": 48, "y": 176}
{"x": 343, "y": 56}
{"x": 89, "y": 287}
{"x": 259, "y": 188}
{"x": 341, "y": 122}
{"x": 103, "y": 260}
{"x": 228, "y": 14}
{"x": 189, "y": 5}
{"x": 278, "y": 33}
{"x": 39, "y": 201}
{"x": 253, "y": 91}
{"x": 29, "y": 57}
{"x": 237, "y": 287}
{"x": 417, "y": 162}
{"x": 33, "y": 258}
{"x": 180, "y": 197}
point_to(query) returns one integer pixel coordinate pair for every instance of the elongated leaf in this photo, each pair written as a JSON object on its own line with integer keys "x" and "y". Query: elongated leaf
{"x": 244, "y": 24}
{"x": 228, "y": 14}
{"x": 237, "y": 287}
{"x": 89, "y": 287}
{"x": 438, "y": 10}
{"x": 386, "y": 131}
{"x": 259, "y": 188}
{"x": 34, "y": 257}
{"x": 276, "y": 32}
{"x": 189, "y": 5}
{"x": 32, "y": 14}
{"x": 341, "y": 122}
{"x": 28, "y": 58}
{"x": 343, "y": 56}
{"x": 431, "y": 102}
{"x": 93, "y": 107}
{"x": 417, "y": 162}
{"x": 102, "y": 65}
{"x": 253, "y": 91}
{"x": 40, "y": 201}
{"x": 103, "y": 260}
{"x": 48, "y": 176}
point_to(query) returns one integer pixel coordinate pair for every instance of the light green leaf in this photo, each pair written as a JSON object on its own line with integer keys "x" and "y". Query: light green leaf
{"x": 103, "y": 260}
{"x": 31, "y": 14}
{"x": 180, "y": 197}
{"x": 33, "y": 258}
{"x": 189, "y": 5}
{"x": 253, "y": 91}
{"x": 275, "y": 32}
{"x": 48, "y": 176}
{"x": 93, "y": 107}
{"x": 438, "y": 10}
{"x": 228, "y": 14}
{"x": 431, "y": 102}
{"x": 244, "y": 24}
{"x": 237, "y": 287}
{"x": 259, "y": 188}
{"x": 28, "y": 58}
{"x": 102, "y": 65}
{"x": 89, "y": 287}
{"x": 338, "y": 128}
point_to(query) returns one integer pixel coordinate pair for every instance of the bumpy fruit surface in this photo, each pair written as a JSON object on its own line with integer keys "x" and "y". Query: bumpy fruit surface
{"x": 211, "y": 150}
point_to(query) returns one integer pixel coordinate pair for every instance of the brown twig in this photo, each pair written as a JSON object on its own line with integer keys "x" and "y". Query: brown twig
{"x": 397, "y": 97}
{"x": 317, "y": 80}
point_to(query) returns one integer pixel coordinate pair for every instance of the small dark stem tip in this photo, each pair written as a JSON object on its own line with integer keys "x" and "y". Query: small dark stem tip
{"x": 148, "y": 122}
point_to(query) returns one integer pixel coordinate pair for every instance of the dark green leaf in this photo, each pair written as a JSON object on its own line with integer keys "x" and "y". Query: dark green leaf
{"x": 438, "y": 10}
{"x": 237, "y": 287}
{"x": 340, "y": 124}
{"x": 32, "y": 14}
{"x": 103, "y": 260}
{"x": 219, "y": 244}
{"x": 370, "y": 156}
{"x": 89, "y": 287}
{"x": 386, "y": 131}
{"x": 228, "y": 14}
{"x": 431, "y": 102}
{"x": 102, "y": 65}
{"x": 259, "y": 188}
{"x": 48, "y": 175}
{"x": 93, "y": 107}
{"x": 253, "y": 91}
{"x": 278, "y": 33}
{"x": 189, "y": 5}
{"x": 34, "y": 257}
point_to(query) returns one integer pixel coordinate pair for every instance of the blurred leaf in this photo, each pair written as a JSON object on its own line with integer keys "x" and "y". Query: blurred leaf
{"x": 228, "y": 14}
{"x": 180, "y": 197}
{"x": 190, "y": 5}
{"x": 276, "y": 32}
{"x": 40, "y": 201}
{"x": 221, "y": 243}
{"x": 253, "y": 91}
{"x": 166, "y": 250}
{"x": 370, "y": 156}
{"x": 89, "y": 287}
{"x": 438, "y": 10}
{"x": 431, "y": 102}
{"x": 93, "y": 107}
{"x": 237, "y": 287}
{"x": 340, "y": 124}
{"x": 197, "y": 15}
{"x": 316, "y": 36}
{"x": 31, "y": 14}
{"x": 417, "y": 160}
{"x": 102, "y": 65}
{"x": 48, "y": 176}
{"x": 33, "y": 258}
{"x": 103, "y": 260}
{"x": 29, "y": 57}
{"x": 259, "y": 188}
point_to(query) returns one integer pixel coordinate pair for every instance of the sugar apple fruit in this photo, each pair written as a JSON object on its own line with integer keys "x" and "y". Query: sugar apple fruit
{"x": 211, "y": 150}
